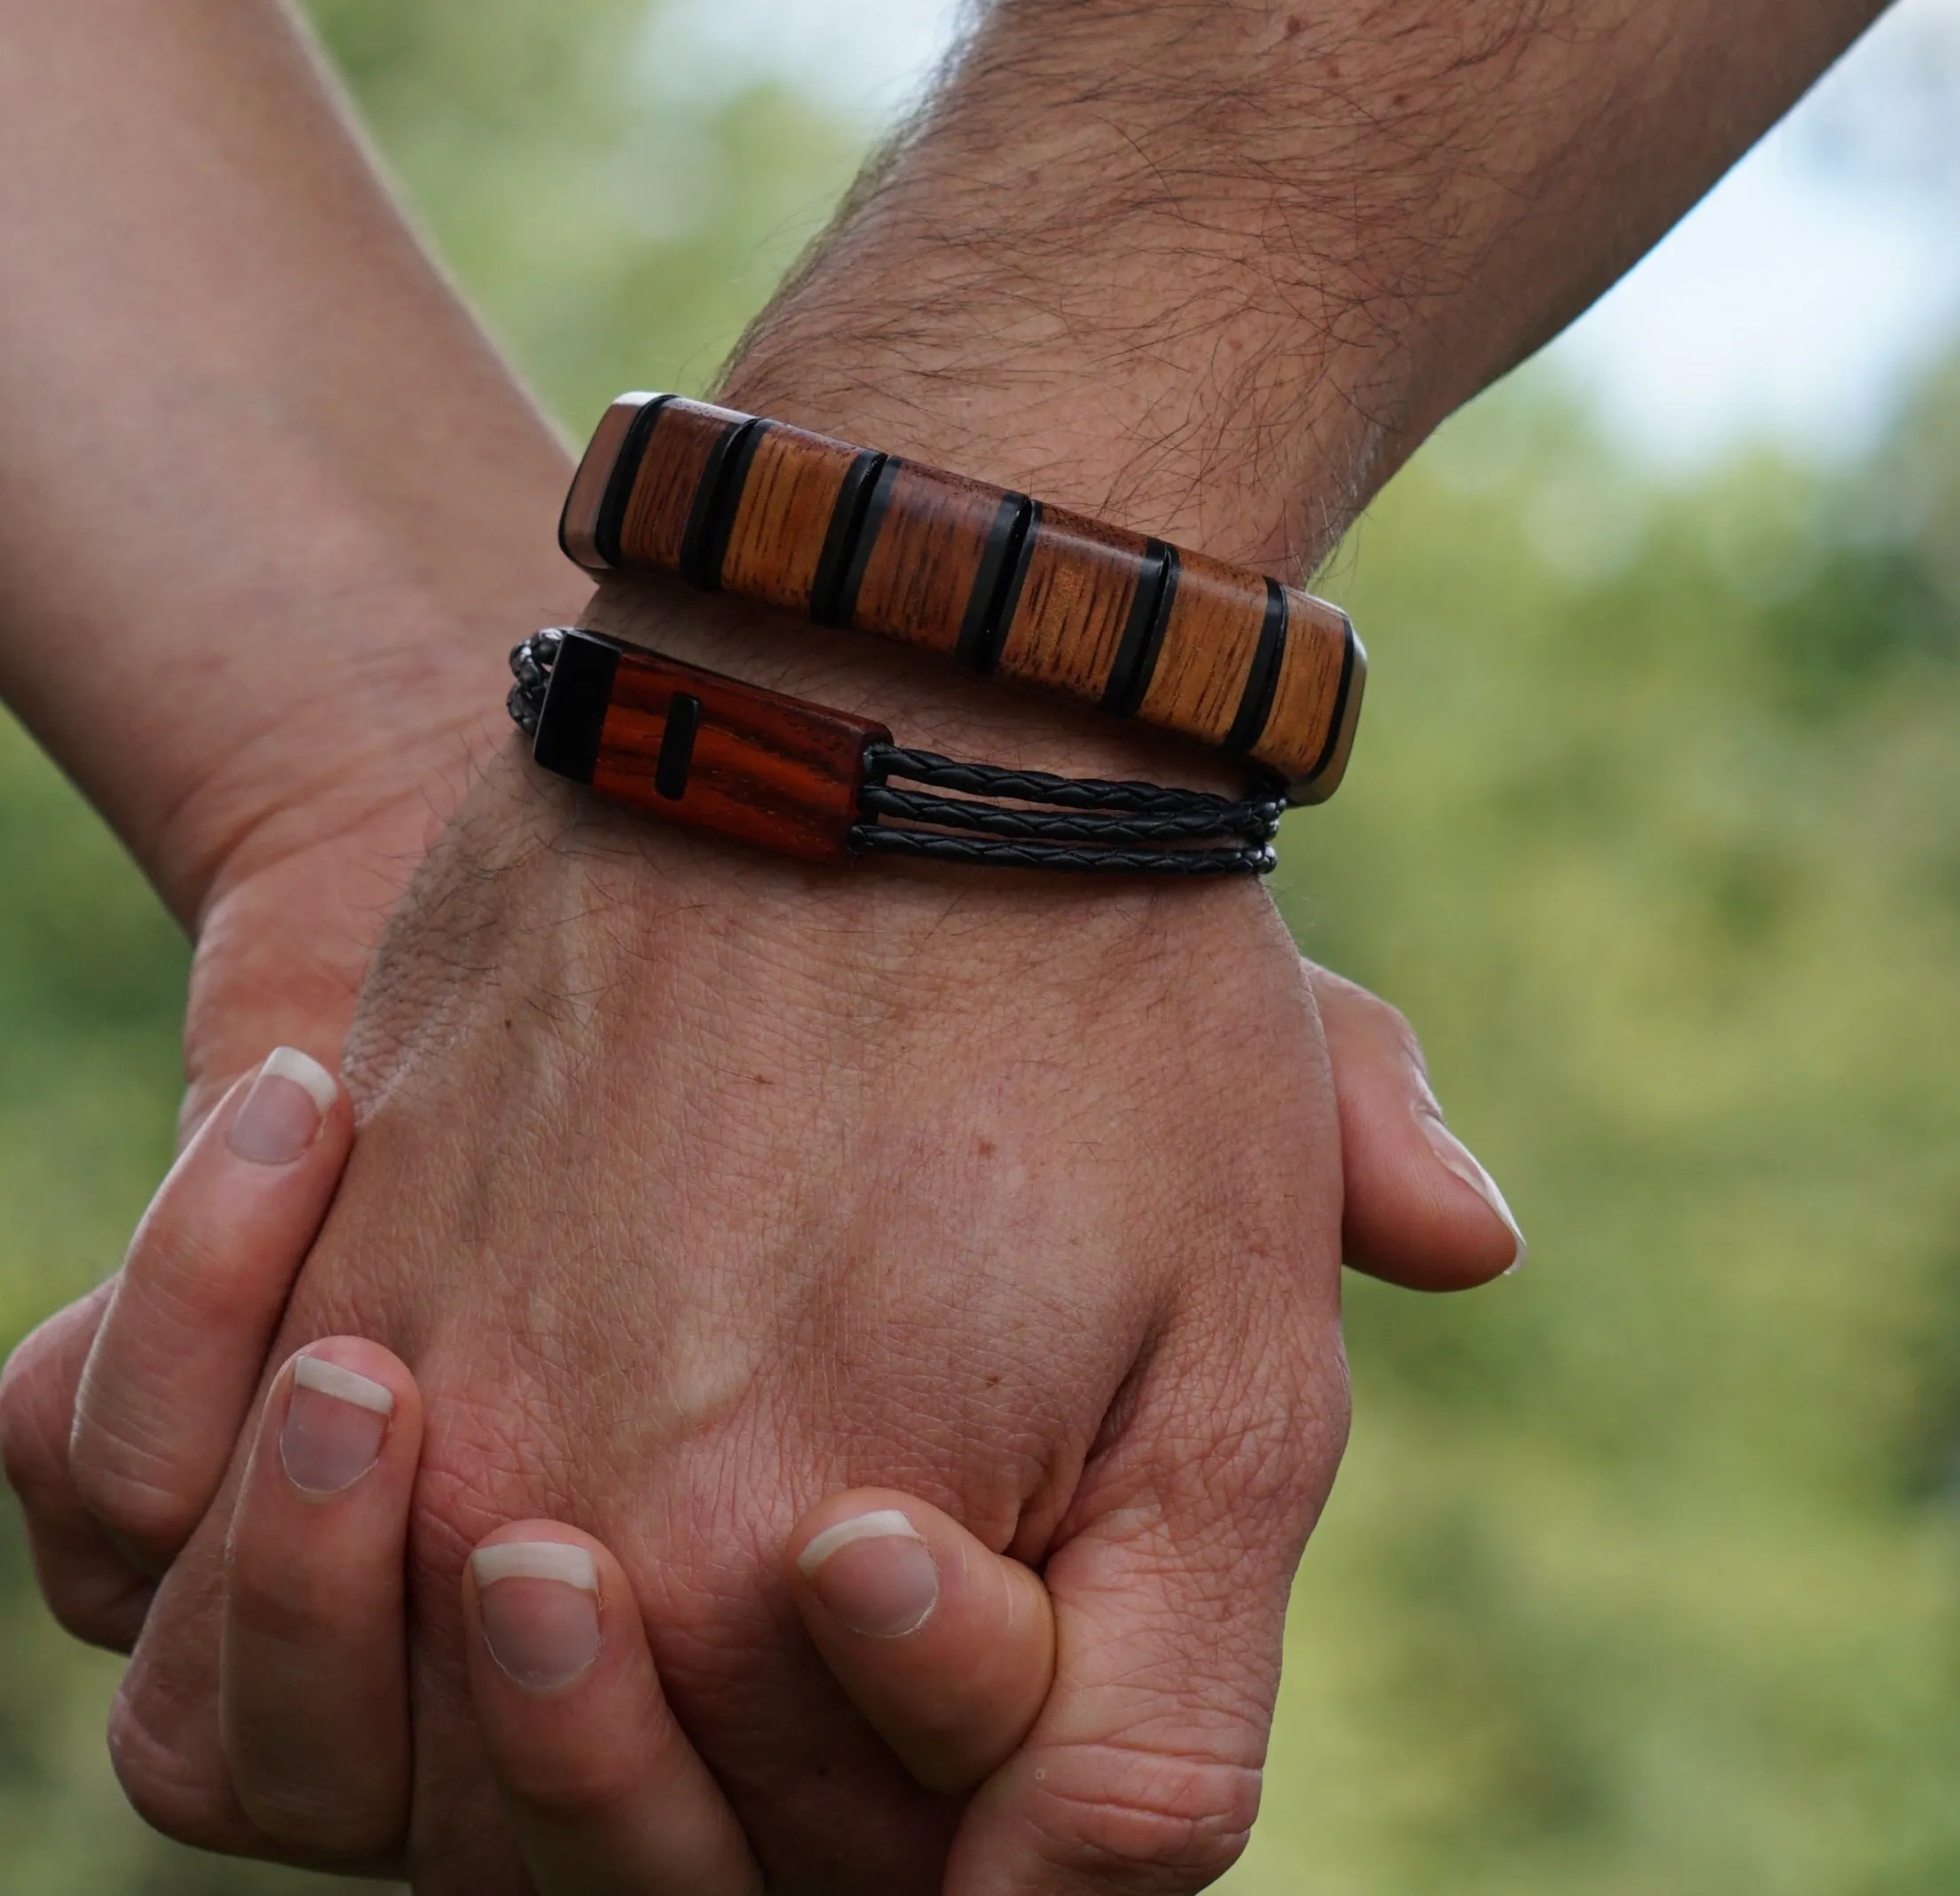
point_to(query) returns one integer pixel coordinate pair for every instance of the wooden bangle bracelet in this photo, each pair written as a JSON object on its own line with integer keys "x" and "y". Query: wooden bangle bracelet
{"x": 999, "y": 582}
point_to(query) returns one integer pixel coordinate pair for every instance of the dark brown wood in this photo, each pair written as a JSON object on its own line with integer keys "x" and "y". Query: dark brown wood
{"x": 1075, "y": 599}
{"x": 678, "y": 455}
{"x": 986, "y": 577}
{"x": 763, "y": 767}
{"x": 930, "y": 537}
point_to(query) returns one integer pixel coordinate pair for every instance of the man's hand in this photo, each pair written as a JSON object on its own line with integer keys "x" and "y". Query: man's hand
{"x": 736, "y": 1185}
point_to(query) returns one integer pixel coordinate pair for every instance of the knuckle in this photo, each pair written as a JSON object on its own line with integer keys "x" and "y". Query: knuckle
{"x": 99, "y": 1603}
{"x": 33, "y": 1445}
{"x": 132, "y": 1492}
{"x": 1133, "y": 1819}
{"x": 576, "y": 1788}
{"x": 319, "y": 1824}
{"x": 184, "y": 1796}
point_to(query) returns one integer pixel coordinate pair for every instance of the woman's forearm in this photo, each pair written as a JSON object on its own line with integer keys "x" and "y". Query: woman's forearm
{"x": 272, "y": 504}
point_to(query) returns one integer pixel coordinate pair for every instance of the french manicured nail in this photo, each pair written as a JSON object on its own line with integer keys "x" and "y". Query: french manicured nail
{"x": 540, "y": 1602}
{"x": 282, "y": 1112}
{"x": 1457, "y": 1157}
{"x": 335, "y": 1424}
{"x": 874, "y": 1575}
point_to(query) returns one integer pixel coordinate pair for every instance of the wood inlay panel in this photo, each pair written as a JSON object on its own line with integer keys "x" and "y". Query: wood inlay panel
{"x": 930, "y": 546}
{"x": 1209, "y": 643}
{"x": 1075, "y": 599}
{"x": 766, "y": 768}
{"x": 784, "y": 518}
{"x": 682, "y": 444}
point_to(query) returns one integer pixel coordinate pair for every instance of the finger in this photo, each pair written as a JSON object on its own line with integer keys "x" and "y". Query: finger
{"x": 606, "y": 1795}
{"x": 1141, "y": 1777}
{"x": 1420, "y": 1211}
{"x": 91, "y": 1587}
{"x": 313, "y": 1666}
{"x": 181, "y": 1351}
{"x": 945, "y": 1647}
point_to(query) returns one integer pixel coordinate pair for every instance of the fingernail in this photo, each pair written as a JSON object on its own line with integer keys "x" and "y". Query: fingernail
{"x": 1458, "y": 1158}
{"x": 282, "y": 1113}
{"x": 875, "y": 1574}
{"x": 540, "y": 1602}
{"x": 335, "y": 1424}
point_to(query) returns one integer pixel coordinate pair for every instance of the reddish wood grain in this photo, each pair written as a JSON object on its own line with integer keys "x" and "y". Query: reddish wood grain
{"x": 766, "y": 768}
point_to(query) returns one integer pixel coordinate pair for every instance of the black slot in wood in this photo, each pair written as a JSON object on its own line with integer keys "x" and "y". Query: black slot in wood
{"x": 1124, "y": 692}
{"x": 1005, "y": 540}
{"x": 985, "y": 654}
{"x": 711, "y": 520}
{"x": 878, "y": 502}
{"x": 619, "y": 486}
{"x": 676, "y": 758}
{"x": 574, "y": 714}
{"x": 1340, "y": 705}
{"x": 1263, "y": 680}
{"x": 840, "y": 542}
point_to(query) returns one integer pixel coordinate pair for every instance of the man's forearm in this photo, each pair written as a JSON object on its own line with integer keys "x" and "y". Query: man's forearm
{"x": 268, "y": 498}
{"x": 1215, "y": 267}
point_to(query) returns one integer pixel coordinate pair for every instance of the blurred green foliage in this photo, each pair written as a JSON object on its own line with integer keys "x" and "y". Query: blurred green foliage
{"x": 1641, "y": 1577}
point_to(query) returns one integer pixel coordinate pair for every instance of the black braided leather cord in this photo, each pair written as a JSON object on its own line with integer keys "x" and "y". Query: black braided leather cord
{"x": 1089, "y": 824}
{"x": 1053, "y": 826}
{"x": 1081, "y": 825}
{"x": 985, "y": 852}
{"x": 1077, "y": 793}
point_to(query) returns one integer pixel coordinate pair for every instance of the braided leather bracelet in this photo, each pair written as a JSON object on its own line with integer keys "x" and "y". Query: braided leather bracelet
{"x": 678, "y": 741}
{"x": 849, "y": 537}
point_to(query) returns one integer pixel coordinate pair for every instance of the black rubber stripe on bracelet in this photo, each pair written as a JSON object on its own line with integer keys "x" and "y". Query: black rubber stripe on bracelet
{"x": 1127, "y": 680}
{"x": 978, "y": 632}
{"x": 576, "y": 701}
{"x": 840, "y": 540}
{"x": 624, "y": 478}
{"x": 877, "y": 503}
{"x": 1339, "y": 708}
{"x": 710, "y": 521}
{"x": 1263, "y": 680}
{"x": 985, "y": 654}
{"x": 1146, "y": 672}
